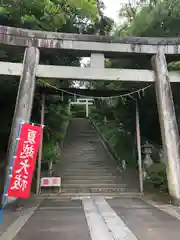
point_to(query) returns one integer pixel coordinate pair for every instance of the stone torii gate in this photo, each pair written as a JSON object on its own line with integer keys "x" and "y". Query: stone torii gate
{"x": 99, "y": 47}
{"x": 83, "y": 101}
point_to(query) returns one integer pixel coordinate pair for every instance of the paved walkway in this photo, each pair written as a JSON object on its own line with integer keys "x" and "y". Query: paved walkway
{"x": 87, "y": 170}
{"x": 93, "y": 218}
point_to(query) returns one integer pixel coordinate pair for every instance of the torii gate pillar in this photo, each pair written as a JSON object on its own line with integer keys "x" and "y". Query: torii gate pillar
{"x": 24, "y": 101}
{"x": 168, "y": 124}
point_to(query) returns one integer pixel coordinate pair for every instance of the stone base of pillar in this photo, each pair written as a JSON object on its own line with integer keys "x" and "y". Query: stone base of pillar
{"x": 175, "y": 202}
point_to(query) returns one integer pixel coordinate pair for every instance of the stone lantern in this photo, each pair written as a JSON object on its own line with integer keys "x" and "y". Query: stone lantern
{"x": 162, "y": 156}
{"x": 147, "y": 150}
{"x": 105, "y": 120}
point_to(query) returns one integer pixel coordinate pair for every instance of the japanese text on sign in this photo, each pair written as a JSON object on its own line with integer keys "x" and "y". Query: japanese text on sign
{"x": 25, "y": 161}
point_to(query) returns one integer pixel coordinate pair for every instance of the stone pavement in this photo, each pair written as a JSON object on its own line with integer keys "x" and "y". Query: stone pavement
{"x": 91, "y": 218}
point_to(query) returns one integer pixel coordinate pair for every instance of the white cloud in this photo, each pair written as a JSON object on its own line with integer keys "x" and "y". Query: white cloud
{"x": 112, "y": 8}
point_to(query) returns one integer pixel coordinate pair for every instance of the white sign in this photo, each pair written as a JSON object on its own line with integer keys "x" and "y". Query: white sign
{"x": 51, "y": 182}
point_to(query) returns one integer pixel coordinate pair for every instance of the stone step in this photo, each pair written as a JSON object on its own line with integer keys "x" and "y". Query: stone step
{"x": 87, "y": 167}
{"x": 75, "y": 196}
{"x": 103, "y": 194}
{"x": 82, "y": 157}
{"x": 90, "y": 161}
{"x": 91, "y": 170}
{"x": 94, "y": 178}
{"x": 93, "y": 185}
{"x": 87, "y": 161}
{"x": 97, "y": 174}
{"x": 88, "y": 174}
{"x": 88, "y": 181}
{"x": 88, "y": 170}
{"x": 95, "y": 190}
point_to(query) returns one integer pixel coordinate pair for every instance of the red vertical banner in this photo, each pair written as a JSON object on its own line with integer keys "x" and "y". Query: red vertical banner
{"x": 24, "y": 162}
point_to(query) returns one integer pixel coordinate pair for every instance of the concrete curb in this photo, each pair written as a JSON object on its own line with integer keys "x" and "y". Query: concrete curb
{"x": 66, "y": 124}
{"x": 65, "y": 127}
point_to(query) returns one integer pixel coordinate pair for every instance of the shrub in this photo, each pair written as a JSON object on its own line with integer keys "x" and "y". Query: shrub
{"x": 120, "y": 144}
{"x": 50, "y": 151}
{"x": 156, "y": 176}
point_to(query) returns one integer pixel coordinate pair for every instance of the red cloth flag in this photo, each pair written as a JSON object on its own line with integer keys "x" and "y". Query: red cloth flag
{"x": 24, "y": 162}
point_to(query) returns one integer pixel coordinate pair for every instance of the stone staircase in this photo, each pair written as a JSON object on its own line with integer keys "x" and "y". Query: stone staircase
{"x": 86, "y": 167}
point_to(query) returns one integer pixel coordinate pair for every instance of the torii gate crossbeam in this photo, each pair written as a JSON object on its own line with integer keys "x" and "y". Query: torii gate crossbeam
{"x": 86, "y": 44}
{"x": 86, "y": 74}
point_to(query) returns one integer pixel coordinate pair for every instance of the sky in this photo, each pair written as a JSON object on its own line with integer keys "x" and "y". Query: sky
{"x": 112, "y": 8}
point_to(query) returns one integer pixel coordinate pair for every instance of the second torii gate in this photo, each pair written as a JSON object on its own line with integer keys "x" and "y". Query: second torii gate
{"x": 83, "y": 101}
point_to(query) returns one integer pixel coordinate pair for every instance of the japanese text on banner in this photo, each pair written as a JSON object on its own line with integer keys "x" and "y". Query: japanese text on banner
{"x": 24, "y": 163}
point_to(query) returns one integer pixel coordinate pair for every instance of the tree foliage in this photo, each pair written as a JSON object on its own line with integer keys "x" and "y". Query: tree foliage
{"x": 75, "y": 16}
{"x": 145, "y": 19}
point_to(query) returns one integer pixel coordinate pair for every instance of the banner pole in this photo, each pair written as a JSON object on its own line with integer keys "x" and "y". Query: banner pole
{"x": 138, "y": 140}
{"x": 10, "y": 172}
{"x": 41, "y": 146}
